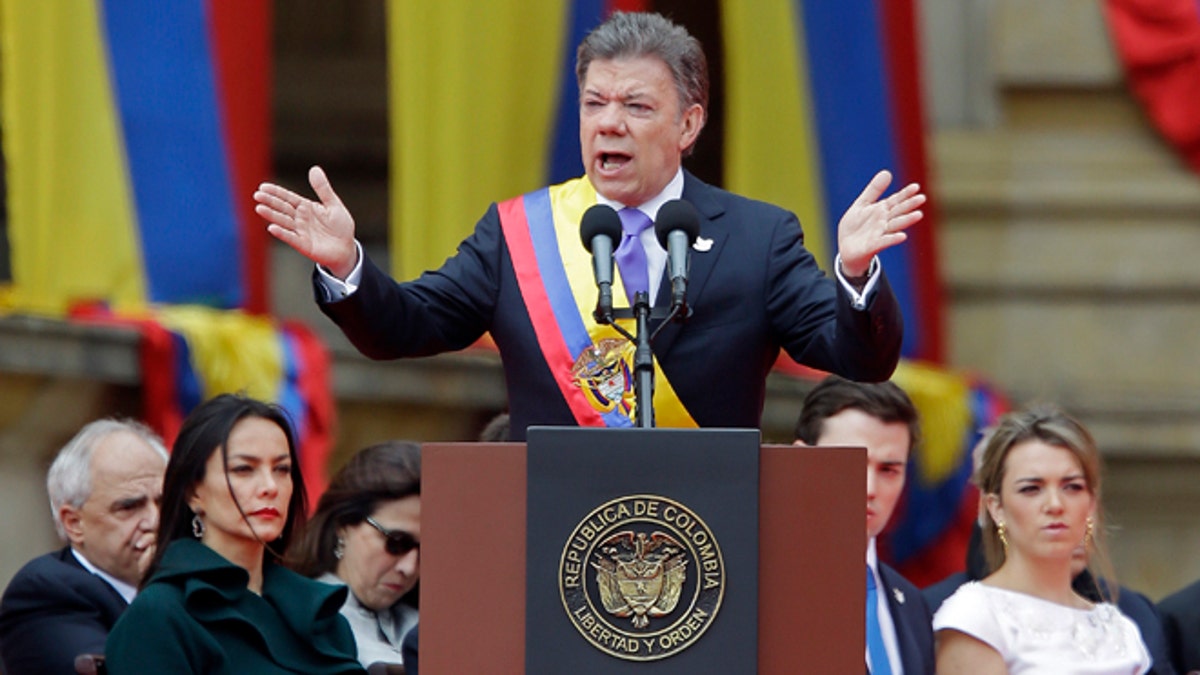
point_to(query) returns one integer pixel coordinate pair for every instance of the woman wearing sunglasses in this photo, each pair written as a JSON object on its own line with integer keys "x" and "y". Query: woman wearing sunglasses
{"x": 215, "y": 599}
{"x": 366, "y": 534}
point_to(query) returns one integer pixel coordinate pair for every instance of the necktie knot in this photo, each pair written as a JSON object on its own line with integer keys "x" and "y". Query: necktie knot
{"x": 633, "y": 221}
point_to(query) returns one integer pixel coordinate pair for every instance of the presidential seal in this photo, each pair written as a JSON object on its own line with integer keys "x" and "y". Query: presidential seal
{"x": 642, "y": 577}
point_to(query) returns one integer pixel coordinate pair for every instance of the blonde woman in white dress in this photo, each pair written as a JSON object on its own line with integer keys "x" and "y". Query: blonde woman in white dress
{"x": 1040, "y": 480}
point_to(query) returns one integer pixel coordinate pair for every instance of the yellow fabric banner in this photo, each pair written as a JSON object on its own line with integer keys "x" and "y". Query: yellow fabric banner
{"x": 770, "y": 139}
{"x": 230, "y": 351}
{"x": 473, "y": 88}
{"x": 943, "y": 400}
{"x": 72, "y": 224}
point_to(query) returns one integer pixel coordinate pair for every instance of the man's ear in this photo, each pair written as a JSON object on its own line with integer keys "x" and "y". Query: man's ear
{"x": 72, "y": 523}
{"x": 692, "y": 123}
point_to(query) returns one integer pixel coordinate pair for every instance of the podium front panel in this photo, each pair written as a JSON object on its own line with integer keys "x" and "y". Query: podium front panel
{"x": 811, "y": 550}
{"x": 641, "y": 550}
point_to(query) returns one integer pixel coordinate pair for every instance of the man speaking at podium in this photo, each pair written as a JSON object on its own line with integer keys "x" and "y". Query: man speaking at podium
{"x": 524, "y": 276}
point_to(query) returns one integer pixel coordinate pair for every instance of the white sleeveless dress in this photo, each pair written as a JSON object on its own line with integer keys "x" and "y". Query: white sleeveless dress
{"x": 1036, "y": 636}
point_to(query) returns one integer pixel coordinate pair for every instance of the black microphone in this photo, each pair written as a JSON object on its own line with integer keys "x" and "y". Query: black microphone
{"x": 677, "y": 227}
{"x": 599, "y": 228}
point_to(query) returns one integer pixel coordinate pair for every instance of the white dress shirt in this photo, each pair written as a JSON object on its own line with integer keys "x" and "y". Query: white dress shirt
{"x": 127, "y": 591}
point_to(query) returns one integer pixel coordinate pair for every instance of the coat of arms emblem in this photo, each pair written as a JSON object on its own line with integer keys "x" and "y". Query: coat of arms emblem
{"x": 640, "y": 576}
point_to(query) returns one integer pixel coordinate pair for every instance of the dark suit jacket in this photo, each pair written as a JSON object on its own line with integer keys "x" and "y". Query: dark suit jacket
{"x": 755, "y": 290}
{"x": 913, "y": 621}
{"x": 1181, "y": 620}
{"x": 53, "y": 610}
{"x": 937, "y": 593}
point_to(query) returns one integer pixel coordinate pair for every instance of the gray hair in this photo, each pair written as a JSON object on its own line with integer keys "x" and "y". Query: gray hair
{"x": 636, "y": 34}
{"x": 69, "y": 480}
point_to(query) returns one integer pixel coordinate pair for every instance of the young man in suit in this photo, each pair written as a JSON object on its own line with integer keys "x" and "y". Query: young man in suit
{"x": 753, "y": 287}
{"x": 104, "y": 487}
{"x": 881, "y": 418}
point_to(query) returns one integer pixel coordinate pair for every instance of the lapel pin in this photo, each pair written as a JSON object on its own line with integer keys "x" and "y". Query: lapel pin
{"x": 702, "y": 244}
{"x": 899, "y": 595}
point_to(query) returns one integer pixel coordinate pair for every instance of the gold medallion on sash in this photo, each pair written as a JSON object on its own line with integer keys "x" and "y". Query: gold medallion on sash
{"x": 604, "y": 373}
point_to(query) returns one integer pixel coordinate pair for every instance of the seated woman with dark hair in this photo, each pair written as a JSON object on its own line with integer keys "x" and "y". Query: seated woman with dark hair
{"x": 366, "y": 534}
{"x": 215, "y": 598}
{"x": 1040, "y": 481}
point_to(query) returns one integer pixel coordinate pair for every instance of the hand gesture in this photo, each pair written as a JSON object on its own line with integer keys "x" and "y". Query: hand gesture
{"x": 321, "y": 231}
{"x": 871, "y": 225}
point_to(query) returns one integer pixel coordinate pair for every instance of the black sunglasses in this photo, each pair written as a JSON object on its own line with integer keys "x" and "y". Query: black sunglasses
{"x": 396, "y": 542}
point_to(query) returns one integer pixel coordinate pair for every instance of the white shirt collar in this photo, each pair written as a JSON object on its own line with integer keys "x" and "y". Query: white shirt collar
{"x": 673, "y": 190}
{"x": 127, "y": 591}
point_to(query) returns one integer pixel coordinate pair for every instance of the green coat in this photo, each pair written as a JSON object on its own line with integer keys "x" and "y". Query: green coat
{"x": 197, "y": 616}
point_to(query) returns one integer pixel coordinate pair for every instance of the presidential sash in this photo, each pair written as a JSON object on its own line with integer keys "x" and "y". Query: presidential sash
{"x": 591, "y": 363}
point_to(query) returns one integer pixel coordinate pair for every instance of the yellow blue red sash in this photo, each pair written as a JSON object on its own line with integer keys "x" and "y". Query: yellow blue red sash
{"x": 591, "y": 363}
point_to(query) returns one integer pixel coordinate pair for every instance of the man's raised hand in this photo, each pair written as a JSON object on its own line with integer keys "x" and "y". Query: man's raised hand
{"x": 321, "y": 231}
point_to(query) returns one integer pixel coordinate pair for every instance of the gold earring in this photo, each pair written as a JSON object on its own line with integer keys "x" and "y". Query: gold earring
{"x": 1090, "y": 535}
{"x": 1000, "y": 531}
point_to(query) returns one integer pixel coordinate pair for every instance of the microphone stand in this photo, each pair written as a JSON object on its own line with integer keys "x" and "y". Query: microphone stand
{"x": 643, "y": 355}
{"x": 643, "y": 362}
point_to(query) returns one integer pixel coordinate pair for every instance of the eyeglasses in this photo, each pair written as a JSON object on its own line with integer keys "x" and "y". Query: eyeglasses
{"x": 396, "y": 542}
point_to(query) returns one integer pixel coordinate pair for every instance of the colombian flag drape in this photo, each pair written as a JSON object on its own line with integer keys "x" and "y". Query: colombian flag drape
{"x": 809, "y": 99}
{"x": 191, "y": 353}
{"x": 134, "y": 134}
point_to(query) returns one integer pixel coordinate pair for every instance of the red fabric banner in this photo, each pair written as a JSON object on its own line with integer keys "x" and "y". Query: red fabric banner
{"x": 1158, "y": 42}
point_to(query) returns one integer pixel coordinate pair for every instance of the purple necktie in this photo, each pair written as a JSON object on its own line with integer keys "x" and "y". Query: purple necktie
{"x": 630, "y": 255}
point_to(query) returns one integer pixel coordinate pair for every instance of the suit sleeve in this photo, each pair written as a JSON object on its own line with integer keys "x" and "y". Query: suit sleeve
{"x": 443, "y": 310}
{"x": 815, "y": 318}
{"x": 1180, "y": 626}
{"x": 46, "y": 625}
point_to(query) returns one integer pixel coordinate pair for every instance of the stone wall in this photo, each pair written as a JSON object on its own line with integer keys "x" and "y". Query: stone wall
{"x": 1068, "y": 241}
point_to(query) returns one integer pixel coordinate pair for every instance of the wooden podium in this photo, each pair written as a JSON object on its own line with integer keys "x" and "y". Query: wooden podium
{"x": 812, "y": 514}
